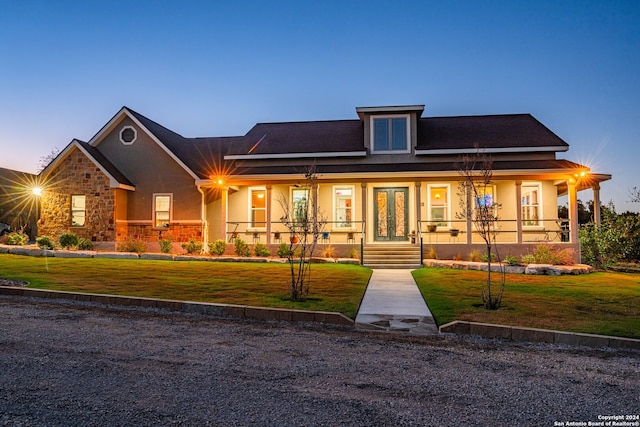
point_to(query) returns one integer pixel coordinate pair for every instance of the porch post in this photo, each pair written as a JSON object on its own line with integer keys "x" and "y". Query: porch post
{"x": 596, "y": 205}
{"x": 224, "y": 200}
{"x": 519, "y": 212}
{"x": 363, "y": 185}
{"x": 418, "y": 202}
{"x": 268, "y": 219}
{"x": 573, "y": 211}
{"x": 468, "y": 216}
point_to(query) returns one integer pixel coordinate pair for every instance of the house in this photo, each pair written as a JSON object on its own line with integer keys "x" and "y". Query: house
{"x": 386, "y": 180}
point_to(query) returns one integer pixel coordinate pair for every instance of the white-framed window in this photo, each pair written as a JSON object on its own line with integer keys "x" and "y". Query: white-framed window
{"x": 78, "y": 210}
{"x": 438, "y": 204}
{"x": 257, "y": 208}
{"x": 162, "y": 205}
{"x": 390, "y": 134}
{"x": 531, "y": 204}
{"x": 300, "y": 204}
{"x": 343, "y": 206}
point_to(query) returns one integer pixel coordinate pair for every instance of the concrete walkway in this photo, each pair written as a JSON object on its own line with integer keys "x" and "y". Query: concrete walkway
{"x": 393, "y": 303}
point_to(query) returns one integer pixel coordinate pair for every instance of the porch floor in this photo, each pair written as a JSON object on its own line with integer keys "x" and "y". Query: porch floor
{"x": 393, "y": 303}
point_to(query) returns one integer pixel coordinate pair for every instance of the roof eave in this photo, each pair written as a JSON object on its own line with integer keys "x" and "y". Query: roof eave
{"x": 296, "y": 155}
{"x": 494, "y": 150}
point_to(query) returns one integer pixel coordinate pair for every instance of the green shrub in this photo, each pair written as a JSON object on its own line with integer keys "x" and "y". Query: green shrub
{"x": 485, "y": 257}
{"x": 17, "y": 239}
{"x": 218, "y": 247}
{"x": 261, "y": 250}
{"x": 132, "y": 245}
{"x": 45, "y": 242}
{"x": 511, "y": 260}
{"x": 192, "y": 247}
{"x": 84, "y": 245}
{"x": 548, "y": 254}
{"x": 283, "y": 250}
{"x": 616, "y": 239}
{"x": 165, "y": 245}
{"x": 241, "y": 248}
{"x": 68, "y": 240}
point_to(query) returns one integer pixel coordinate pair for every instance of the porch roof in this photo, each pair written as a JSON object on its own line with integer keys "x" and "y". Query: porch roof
{"x": 523, "y": 167}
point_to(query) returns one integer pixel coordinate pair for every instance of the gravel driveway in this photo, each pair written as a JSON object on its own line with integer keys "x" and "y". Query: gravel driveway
{"x": 72, "y": 364}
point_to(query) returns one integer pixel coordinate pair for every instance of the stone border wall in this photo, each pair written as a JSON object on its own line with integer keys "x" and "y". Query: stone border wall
{"x": 516, "y": 333}
{"x": 221, "y": 310}
{"x": 533, "y": 269}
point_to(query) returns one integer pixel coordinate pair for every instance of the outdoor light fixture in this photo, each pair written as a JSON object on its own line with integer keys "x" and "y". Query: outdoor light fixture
{"x": 37, "y": 191}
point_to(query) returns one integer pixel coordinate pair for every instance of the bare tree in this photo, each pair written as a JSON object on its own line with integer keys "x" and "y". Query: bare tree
{"x": 634, "y": 193}
{"x": 478, "y": 205}
{"x": 44, "y": 161}
{"x": 305, "y": 225}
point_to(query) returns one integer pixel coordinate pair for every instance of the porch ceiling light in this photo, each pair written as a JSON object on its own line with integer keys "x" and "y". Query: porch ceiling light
{"x": 37, "y": 191}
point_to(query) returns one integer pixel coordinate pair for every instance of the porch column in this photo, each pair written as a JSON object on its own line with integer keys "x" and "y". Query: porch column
{"x": 468, "y": 208}
{"x": 596, "y": 205}
{"x": 519, "y": 212}
{"x": 224, "y": 201}
{"x": 418, "y": 202}
{"x": 363, "y": 185}
{"x": 268, "y": 219}
{"x": 573, "y": 210}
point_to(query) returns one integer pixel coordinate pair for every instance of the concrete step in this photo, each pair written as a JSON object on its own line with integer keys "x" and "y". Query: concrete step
{"x": 392, "y": 256}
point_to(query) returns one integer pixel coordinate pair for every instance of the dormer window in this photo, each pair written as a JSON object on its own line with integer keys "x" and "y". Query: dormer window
{"x": 390, "y": 134}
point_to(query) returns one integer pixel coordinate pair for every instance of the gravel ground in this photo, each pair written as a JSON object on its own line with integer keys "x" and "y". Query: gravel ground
{"x": 71, "y": 364}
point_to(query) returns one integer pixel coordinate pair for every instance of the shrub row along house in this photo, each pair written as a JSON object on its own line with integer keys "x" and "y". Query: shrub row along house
{"x": 386, "y": 182}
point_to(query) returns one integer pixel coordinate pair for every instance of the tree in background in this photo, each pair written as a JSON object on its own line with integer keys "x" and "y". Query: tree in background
{"x": 616, "y": 239}
{"x": 634, "y": 193}
{"x": 44, "y": 161}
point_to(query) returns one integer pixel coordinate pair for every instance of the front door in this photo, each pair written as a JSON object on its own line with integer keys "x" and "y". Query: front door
{"x": 391, "y": 213}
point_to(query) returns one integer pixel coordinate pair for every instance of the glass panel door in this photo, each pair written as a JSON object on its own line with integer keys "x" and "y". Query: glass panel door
{"x": 391, "y": 214}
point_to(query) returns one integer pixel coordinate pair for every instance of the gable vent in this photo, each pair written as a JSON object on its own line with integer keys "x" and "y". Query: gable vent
{"x": 128, "y": 135}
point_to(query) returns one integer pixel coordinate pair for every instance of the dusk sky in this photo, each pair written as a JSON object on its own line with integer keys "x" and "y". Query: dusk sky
{"x": 213, "y": 68}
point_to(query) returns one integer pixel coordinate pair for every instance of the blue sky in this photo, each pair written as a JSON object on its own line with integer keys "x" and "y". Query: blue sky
{"x": 213, "y": 68}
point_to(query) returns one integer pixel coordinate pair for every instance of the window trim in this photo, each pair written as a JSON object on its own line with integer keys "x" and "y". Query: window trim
{"x": 153, "y": 218}
{"x": 447, "y": 219}
{"x": 250, "y": 209}
{"x": 78, "y": 210}
{"x": 407, "y": 118}
{"x": 532, "y": 184}
{"x": 336, "y": 221}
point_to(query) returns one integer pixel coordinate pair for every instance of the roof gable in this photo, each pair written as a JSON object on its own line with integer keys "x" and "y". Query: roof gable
{"x": 116, "y": 178}
{"x": 158, "y": 133}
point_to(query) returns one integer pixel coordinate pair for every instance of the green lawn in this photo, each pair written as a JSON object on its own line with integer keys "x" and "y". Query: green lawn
{"x": 597, "y": 303}
{"x": 334, "y": 287}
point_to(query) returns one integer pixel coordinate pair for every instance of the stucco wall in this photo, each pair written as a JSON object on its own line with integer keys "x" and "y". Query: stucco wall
{"x": 151, "y": 170}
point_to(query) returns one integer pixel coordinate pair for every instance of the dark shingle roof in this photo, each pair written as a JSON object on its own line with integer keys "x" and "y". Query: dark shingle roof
{"x": 205, "y": 156}
{"x": 304, "y": 137}
{"x": 105, "y": 163}
{"x": 446, "y": 167}
{"x": 497, "y": 131}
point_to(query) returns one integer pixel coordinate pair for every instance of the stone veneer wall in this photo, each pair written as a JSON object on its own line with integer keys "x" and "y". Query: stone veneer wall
{"x": 77, "y": 175}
